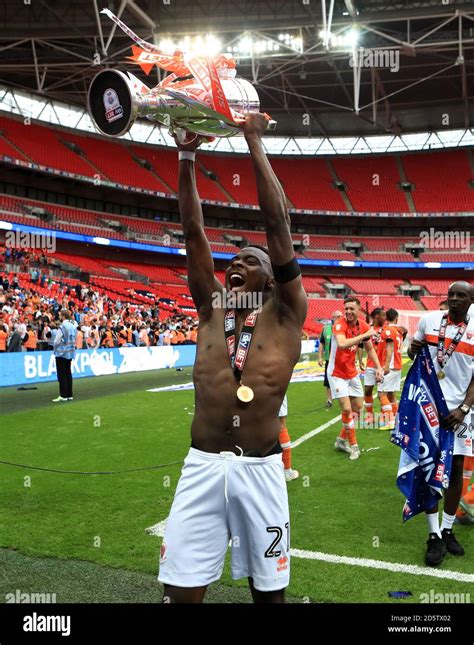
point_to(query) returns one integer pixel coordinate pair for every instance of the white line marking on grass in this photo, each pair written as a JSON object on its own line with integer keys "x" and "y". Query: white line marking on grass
{"x": 316, "y": 431}
{"x": 157, "y": 529}
{"x": 396, "y": 567}
{"x": 173, "y": 388}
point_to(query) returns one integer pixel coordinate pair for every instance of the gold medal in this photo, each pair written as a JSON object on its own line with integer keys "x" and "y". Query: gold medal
{"x": 245, "y": 394}
{"x": 441, "y": 375}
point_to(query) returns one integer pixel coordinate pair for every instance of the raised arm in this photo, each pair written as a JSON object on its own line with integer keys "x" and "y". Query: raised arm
{"x": 201, "y": 279}
{"x": 345, "y": 343}
{"x": 272, "y": 201}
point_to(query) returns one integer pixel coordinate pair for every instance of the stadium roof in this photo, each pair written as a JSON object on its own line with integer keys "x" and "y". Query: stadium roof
{"x": 414, "y": 66}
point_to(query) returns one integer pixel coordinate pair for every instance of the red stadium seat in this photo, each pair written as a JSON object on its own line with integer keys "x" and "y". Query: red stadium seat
{"x": 371, "y": 181}
{"x": 449, "y": 171}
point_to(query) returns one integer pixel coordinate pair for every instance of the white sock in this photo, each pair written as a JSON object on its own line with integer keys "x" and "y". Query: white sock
{"x": 433, "y": 523}
{"x": 448, "y": 521}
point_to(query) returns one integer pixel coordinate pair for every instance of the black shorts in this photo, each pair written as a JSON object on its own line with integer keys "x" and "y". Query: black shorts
{"x": 326, "y": 382}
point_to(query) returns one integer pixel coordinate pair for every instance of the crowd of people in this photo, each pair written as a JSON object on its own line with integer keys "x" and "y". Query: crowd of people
{"x": 23, "y": 257}
{"x": 29, "y": 321}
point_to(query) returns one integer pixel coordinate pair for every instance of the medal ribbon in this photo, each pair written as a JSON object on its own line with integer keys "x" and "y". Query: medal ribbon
{"x": 443, "y": 356}
{"x": 237, "y": 359}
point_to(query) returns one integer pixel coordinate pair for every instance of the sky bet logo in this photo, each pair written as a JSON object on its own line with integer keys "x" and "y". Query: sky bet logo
{"x": 420, "y": 395}
{"x": 431, "y": 414}
{"x": 245, "y": 339}
{"x": 439, "y": 473}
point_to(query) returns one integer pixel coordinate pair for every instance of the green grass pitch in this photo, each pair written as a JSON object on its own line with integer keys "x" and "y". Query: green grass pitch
{"x": 83, "y": 536}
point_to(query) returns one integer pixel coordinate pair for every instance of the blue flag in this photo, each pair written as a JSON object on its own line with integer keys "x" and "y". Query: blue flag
{"x": 427, "y": 448}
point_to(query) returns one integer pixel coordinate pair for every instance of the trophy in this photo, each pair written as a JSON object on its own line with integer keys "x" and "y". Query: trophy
{"x": 202, "y": 96}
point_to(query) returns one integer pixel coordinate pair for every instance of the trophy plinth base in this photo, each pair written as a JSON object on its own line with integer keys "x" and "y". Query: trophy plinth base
{"x": 110, "y": 103}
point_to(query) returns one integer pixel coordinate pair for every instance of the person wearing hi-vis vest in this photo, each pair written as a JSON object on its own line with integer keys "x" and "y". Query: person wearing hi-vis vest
{"x": 107, "y": 338}
{"x": 64, "y": 349}
{"x": 3, "y": 338}
{"x": 30, "y": 342}
{"x": 79, "y": 338}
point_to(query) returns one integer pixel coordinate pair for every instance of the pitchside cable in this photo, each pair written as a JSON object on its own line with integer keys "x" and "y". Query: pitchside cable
{"x": 80, "y": 472}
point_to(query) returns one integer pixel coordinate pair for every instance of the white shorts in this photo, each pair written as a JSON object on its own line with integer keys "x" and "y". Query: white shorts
{"x": 369, "y": 376}
{"x": 284, "y": 408}
{"x": 463, "y": 438}
{"x": 341, "y": 387}
{"x": 222, "y": 497}
{"x": 391, "y": 382}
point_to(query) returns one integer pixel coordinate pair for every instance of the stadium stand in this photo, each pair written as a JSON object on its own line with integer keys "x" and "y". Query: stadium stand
{"x": 319, "y": 247}
{"x": 7, "y": 149}
{"x": 372, "y": 183}
{"x": 397, "y": 302}
{"x": 337, "y": 254}
{"x": 388, "y": 257}
{"x": 308, "y": 182}
{"x": 386, "y": 243}
{"x": 434, "y": 287}
{"x": 459, "y": 256}
{"x": 114, "y": 162}
{"x": 42, "y": 145}
{"x": 163, "y": 163}
{"x": 380, "y": 286}
{"x": 450, "y": 172}
{"x": 432, "y": 302}
{"x": 236, "y": 176}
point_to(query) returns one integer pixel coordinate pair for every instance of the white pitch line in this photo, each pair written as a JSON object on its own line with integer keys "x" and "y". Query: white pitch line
{"x": 157, "y": 529}
{"x": 314, "y": 432}
{"x": 396, "y": 567}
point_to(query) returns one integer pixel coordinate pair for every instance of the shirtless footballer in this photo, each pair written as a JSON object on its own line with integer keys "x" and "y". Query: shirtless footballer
{"x": 232, "y": 486}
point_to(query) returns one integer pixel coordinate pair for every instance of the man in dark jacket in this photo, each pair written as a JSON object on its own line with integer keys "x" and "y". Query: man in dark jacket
{"x": 14, "y": 344}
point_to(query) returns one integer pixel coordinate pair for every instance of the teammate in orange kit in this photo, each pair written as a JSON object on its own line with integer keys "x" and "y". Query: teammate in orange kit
{"x": 343, "y": 376}
{"x": 391, "y": 383}
{"x": 285, "y": 442}
{"x": 378, "y": 323}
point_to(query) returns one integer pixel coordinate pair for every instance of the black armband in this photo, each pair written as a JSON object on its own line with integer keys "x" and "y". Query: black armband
{"x": 286, "y": 272}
